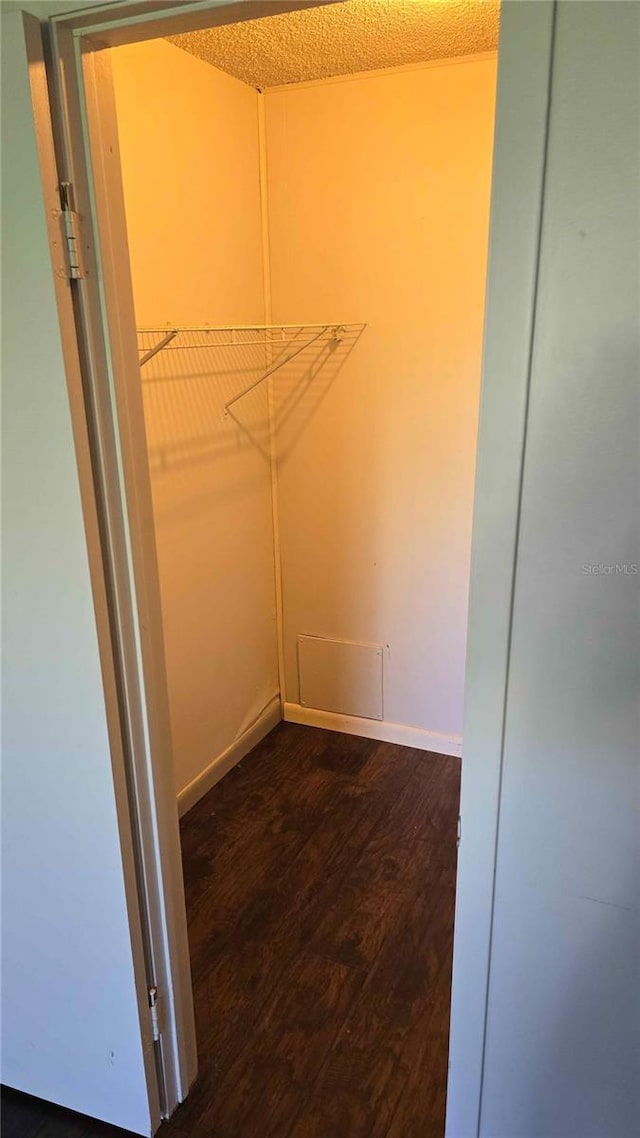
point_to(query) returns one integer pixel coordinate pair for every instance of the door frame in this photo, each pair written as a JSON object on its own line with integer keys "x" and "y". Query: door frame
{"x": 78, "y": 145}
{"x": 98, "y": 317}
{"x": 525, "y": 62}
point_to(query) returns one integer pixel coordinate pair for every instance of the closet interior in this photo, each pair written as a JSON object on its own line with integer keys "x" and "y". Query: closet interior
{"x": 307, "y": 201}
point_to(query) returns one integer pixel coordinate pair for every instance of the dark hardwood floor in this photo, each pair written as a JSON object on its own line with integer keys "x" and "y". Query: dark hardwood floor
{"x": 320, "y": 883}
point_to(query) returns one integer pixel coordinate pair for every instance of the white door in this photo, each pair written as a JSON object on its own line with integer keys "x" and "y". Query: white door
{"x": 76, "y": 1028}
{"x": 545, "y": 1036}
{"x": 562, "y": 1052}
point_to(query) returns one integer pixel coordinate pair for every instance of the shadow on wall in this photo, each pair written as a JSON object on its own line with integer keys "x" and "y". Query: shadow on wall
{"x": 188, "y": 386}
{"x": 300, "y": 387}
{"x": 185, "y": 389}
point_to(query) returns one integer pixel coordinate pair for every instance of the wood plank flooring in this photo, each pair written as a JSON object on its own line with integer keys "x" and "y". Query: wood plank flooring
{"x": 320, "y": 883}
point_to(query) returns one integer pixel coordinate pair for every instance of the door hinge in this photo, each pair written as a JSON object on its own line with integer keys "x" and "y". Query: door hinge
{"x": 155, "y": 1014}
{"x": 71, "y": 234}
{"x": 459, "y": 833}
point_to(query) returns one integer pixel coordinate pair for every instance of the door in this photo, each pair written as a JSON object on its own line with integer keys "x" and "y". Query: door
{"x": 562, "y": 1052}
{"x": 545, "y": 1021}
{"x": 76, "y": 1028}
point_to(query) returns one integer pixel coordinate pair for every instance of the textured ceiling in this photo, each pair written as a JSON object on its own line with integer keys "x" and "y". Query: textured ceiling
{"x": 344, "y": 38}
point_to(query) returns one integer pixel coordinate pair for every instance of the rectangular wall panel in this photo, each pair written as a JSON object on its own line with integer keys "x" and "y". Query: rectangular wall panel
{"x": 336, "y": 675}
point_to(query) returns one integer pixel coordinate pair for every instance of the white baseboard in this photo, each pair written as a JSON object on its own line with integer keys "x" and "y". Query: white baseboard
{"x": 294, "y": 713}
{"x": 266, "y": 721}
{"x": 381, "y": 729}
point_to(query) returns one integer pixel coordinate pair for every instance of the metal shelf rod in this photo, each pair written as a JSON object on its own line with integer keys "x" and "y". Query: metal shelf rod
{"x": 238, "y": 327}
{"x": 229, "y": 344}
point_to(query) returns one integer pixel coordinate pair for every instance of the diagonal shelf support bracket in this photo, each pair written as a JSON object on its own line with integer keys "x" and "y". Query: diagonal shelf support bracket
{"x": 335, "y": 338}
{"x": 158, "y": 347}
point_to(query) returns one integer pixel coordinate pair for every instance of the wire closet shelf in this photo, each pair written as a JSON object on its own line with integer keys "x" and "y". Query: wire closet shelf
{"x": 282, "y": 343}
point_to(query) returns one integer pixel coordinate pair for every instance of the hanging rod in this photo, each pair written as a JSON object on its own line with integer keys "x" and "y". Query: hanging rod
{"x": 233, "y": 327}
{"x": 233, "y": 343}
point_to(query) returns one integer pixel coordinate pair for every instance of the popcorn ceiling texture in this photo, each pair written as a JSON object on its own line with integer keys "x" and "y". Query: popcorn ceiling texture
{"x": 344, "y": 38}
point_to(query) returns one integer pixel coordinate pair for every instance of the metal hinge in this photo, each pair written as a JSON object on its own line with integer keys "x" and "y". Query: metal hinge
{"x": 155, "y": 1014}
{"x": 71, "y": 234}
{"x": 459, "y": 833}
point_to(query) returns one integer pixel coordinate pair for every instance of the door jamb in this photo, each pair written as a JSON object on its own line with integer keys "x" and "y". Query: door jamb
{"x": 96, "y": 315}
{"x": 525, "y": 60}
{"x": 80, "y": 424}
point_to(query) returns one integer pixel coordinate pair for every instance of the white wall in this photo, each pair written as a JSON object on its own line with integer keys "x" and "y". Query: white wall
{"x": 190, "y": 162}
{"x": 378, "y": 211}
{"x": 376, "y": 454}
{"x": 70, "y": 1026}
{"x": 563, "y": 1031}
